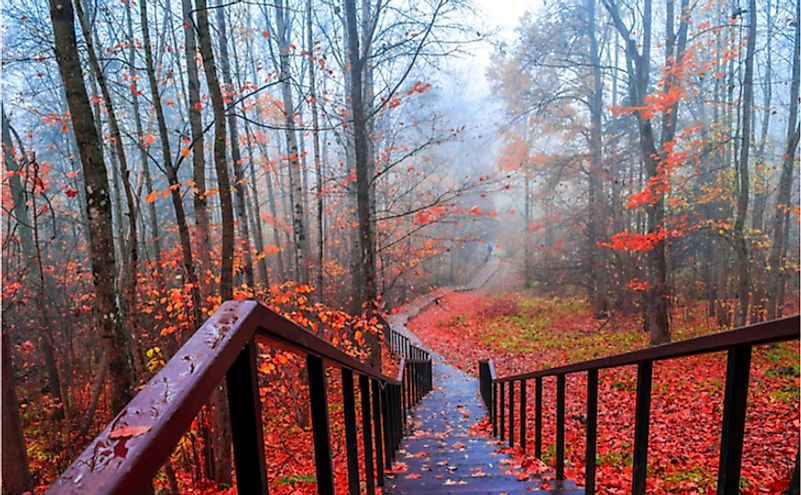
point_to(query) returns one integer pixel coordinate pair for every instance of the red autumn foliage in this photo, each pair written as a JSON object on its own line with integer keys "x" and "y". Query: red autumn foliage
{"x": 522, "y": 333}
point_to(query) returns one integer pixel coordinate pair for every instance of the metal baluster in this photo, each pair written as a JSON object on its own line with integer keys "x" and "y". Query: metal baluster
{"x": 735, "y": 401}
{"x": 523, "y": 416}
{"x": 404, "y": 409}
{"x": 414, "y": 383}
{"x": 538, "y": 418}
{"x": 493, "y": 411}
{"x": 641, "y": 419}
{"x": 367, "y": 434}
{"x": 512, "y": 414}
{"x": 385, "y": 411}
{"x": 592, "y": 432}
{"x": 503, "y": 409}
{"x": 401, "y": 419}
{"x": 318, "y": 398}
{"x": 379, "y": 444}
{"x": 408, "y": 384}
{"x": 352, "y": 452}
{"x": 560, "y": 427}
{"x": 244, "y": 404}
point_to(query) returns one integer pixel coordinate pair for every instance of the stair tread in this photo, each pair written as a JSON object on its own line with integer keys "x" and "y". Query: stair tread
{"x": 487, "y": 484}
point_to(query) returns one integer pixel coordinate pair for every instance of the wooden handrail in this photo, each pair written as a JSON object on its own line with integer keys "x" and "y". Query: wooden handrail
{"x": 126, "y": 455}
{"x": 757, "y": 334}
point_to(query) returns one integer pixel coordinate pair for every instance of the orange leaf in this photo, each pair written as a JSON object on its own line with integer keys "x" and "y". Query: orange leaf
{"x": 128, "y": 431}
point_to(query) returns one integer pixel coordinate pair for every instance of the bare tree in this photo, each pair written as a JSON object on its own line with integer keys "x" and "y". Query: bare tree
{"x": 781, "y": 218}
{"x": 98, "y": 205}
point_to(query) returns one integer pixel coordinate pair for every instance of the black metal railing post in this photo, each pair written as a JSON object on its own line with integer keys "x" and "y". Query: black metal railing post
{"x": 244, "y": 404}
{"x": 538, "y": 418}
{"x": 523, "y": 415}
{"x": 349, "y": 411}
{"x": 402, "y": 400}
{"x": 367, "y": 434}
{"x": 502, "y": 406}
{"x": 735, "y": 401}
{"x": 387, "y": 428}
{"x": 318, "y": 397}
{"x": 392, "y": 412}
{"x": 560, "y": 427}
{"x": 493, "y": 410}
{"x": 592, "y": 432}
{"x": 511, "y": 413}
{"x": 642, "y": 417}
{"x": 400, "y": 420}
{"x": 379, "y": 444}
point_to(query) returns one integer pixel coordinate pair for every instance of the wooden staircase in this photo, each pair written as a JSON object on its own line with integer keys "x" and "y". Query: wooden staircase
{"x": 444, "y": 452}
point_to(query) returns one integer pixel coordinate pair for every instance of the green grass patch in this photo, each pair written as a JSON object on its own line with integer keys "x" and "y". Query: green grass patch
{"x": 296, "y": 478}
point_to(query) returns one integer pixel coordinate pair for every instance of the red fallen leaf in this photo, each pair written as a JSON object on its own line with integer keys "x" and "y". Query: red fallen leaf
{"x": 399, "y": 467}
{"x": 128, "y": 431}
{"x": 413, "y": 476}
{"x": 522, "y": 477}
{"x": 421, "y": 454}
{"x": 71, "y": 193}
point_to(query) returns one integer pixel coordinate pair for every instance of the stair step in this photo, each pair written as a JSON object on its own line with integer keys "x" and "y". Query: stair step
{"x": 489, "y": 484}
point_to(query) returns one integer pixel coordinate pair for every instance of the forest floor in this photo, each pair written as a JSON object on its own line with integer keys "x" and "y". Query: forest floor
{"x": 522, "y": 331}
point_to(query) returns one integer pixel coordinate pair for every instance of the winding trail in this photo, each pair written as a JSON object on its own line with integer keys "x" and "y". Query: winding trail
{"x": 443, "y": 452}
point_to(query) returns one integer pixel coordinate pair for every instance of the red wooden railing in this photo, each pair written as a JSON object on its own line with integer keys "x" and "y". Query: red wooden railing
{"x": 126, "y": 455}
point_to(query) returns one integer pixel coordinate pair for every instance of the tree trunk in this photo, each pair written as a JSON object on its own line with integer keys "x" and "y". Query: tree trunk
{"x": 255, "y": 218}
{"x": 300, "y": 247}
{"x": 98, "y": 205}
{"x": 761, "y": 183}
{"x": 116, "y": 138}
{"x": 16, "y": 470}
{"x": 596, "y": 269}
{"x": 151, "y": 208}
{"x": 31, "y": 255}
{"x": 781, "y": 219}
{"x": 236, "y": 155}
{"x": 310, "y": 48}
{"x": 171, "y": 172}
{"x": 656, "y": 300}
{"x": 740, "y": 245}
{"x": 219, "y": 405}
{"x": 223, "y": 180}
{"x": 198, "y": 158}
{"x": 367, "y": 291}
